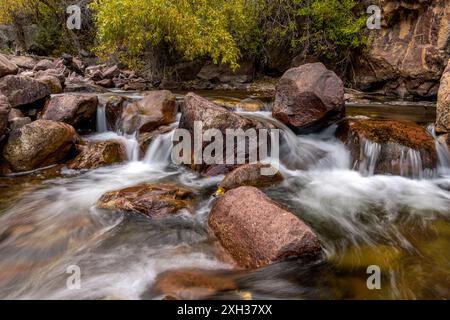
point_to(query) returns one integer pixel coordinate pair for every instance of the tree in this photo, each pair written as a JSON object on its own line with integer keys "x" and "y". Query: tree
{"x": 194, "y": 28}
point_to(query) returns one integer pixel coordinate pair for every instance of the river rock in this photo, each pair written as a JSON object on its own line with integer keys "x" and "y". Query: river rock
{"x": 111, "y": 72}
{"x": 114, "y": 106}
{"x": 191, "y": 284}
{"x": 389, "y": 147}
{"x": 24, "y": 62}
{"x": 256, "y": 231}
{"x": 152, "y": 200}
{"x": 22, "y": 91}
{"x": 212, "y": 116}
{"x": 99, "y": 154}
{"x": 7, "y": 67}
{"x": 222, "y": 73}
{"x": 77, "y": 110}
{"x": 443, "y": 103}
{"x": 44, "y": 65}
{"x": 249, "y": 175}
{"x": 17, "y": 119}
{"x": 39, "y": 144}
{"x": 407, "y": 56}
{"x": 5, "y": 109}
{"x": 53, "y": 84}
{"x": 157, "y": 109}
{"x": 309, "y": 98}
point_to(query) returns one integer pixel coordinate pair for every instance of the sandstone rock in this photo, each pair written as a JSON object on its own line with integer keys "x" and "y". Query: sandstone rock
{"x": 408, "y": 55}
{"x": 157, "y": 109}
{"x": 53, "y": 84}
{"x": 5, "y": 109}
{"x": 256, "y": 231}
{"x": 443, "y": 104}
{"x": 111, "y": 73}
{"x": 114, "y": 106}
{"x": 57, "y": 73}
{"x": 309, "y": 98}
{"x": 19, "y": 122}
{"x": 152, "y": 200}
{"x": 6, "y": 66}
{"x": 24, "y": 62}
{"x": 146, "y": 138}
{"x": 401, "y": 147}
{"x": 77, "y": 84}
{"x": 192, "y": 284}
{"x": 23, "y": 90}
{"x": 248, "y": 105}
{"x": 249, "y": 175}
{"x": 75, "y": 109}
{"x": 14, "y": 113}
{"x": 99, "y": 154}
{"x": 44, "y": 65}
{"x": 39, "y": 144}
{"x": 223, "y": 73}
{"x": 106, "y": 83}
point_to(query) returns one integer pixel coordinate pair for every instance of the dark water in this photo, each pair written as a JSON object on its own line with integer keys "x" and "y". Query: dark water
{"x": 48, "y": 222}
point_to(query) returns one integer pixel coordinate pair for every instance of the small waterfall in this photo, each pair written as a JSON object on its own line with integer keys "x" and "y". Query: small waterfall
{"x": 370, "y": 151}
{"x": 132, "y": 147}
{"x": 159, "y": 151}
{"x": 411, "y": 164}
{"x": 442, "y": 151}
{"x": 102, "y": 125}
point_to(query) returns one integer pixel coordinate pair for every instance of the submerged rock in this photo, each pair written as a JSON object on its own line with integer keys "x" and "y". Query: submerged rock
{"x": 191, "y": 284}
{"x": 152, "y": 200}
{"x": 7, "y": 67}
{"x": 157, "y": 109}
{"x": 309, "y": 98}
{"x": 39, "y": 144}
{"x": 389, "y": 147}
{"x": 249, "y": 175}
{"x": 99, "y": 154}
{"x": 74, "y": 109}
{"x": 256, "y": 231}
{"x": 23, "y": 90}
{"x": 443, "y": 103}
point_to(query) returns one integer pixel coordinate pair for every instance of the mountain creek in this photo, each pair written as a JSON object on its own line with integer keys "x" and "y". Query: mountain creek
{"x": 49, "y": 221}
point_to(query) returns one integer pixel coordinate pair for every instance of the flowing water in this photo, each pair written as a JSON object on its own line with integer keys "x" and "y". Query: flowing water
{"x": 397, "y": 223}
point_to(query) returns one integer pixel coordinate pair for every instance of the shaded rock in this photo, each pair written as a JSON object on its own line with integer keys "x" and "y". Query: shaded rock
{"x": 212, "y": 116}
{"x": 157, "y": 109}
{"x": 223, "y": 73}
{"x": 99, "y": 154}
{"x": 44, "y": 65}
{"x": 192, "y": 284}
{"x": 39, "y": 144}
{"x": 5, "y": 109}
{"x": 152, "y": 200}
{"x": 7, "y": 67}
{"x": 24, "y": 62}
{"x": 309, "y": 98}
{"x": 75, "y": 109}
{"x": 443, "y": 103}
{"x": 14, "y": 113}
{"x": 256, "y": 231}
{"x": 18, "y": 122}
{"x": 111, "y": 73}
{"x": 77, "y": 84}
{"x": 106, "y": 83}
{"x": 22, "y": 91}
{"x": 249, "y": 175}
{"x": 186, "y": 71}
{"x": 53, "y": 84}
{"x": 72, "y": 64}
{"x": 389, "y": 147}
{"x": 57, "y": 73}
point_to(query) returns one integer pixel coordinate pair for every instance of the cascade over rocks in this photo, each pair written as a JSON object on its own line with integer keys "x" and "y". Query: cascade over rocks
{"x": 401, "y": 147}
{"x": 152, "y": 200}
{"x": 74, "y": 109}
{"x": 309, "y": 98}
{"x": 256, "y": 231}
{"x": 39, "y": 144}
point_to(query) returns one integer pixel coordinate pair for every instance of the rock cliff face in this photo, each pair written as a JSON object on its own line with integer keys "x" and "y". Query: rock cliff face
{"x": 408, "y": 55}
